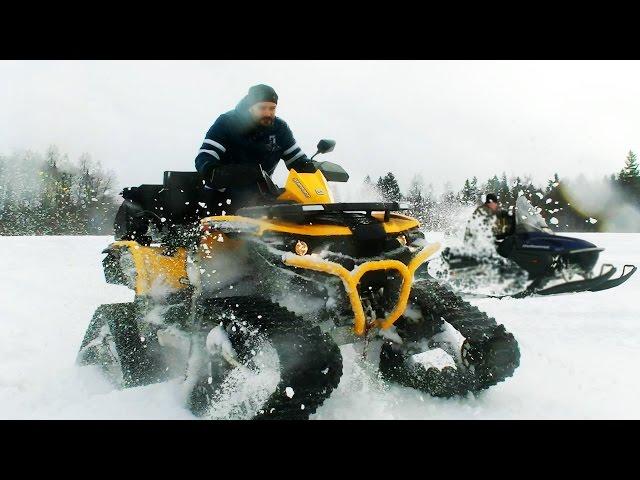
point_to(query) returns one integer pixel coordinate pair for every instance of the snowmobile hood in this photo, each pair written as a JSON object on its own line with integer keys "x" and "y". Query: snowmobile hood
{"x": 555, "y": 243}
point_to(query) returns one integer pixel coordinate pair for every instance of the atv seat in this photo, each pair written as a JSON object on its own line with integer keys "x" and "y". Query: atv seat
{"x": 187, "y": 181}
{"x": 181, "y": 200}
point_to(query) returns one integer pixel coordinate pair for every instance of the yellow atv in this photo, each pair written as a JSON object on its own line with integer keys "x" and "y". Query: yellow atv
{"x": 248, "y": 310}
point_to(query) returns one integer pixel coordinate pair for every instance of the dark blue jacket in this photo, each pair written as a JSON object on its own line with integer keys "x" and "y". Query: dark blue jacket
{"x": 236, "y": 138}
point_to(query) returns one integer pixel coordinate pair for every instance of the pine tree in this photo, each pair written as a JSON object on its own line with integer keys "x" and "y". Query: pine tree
{"x": 465, "y": 193}
{"x": 416, "y": 199}
{"x": 389, "y": 188}
{"x": 629, "y": 177}
{"x": 504, "y": 192}
{"x": 493, "y": 185}
{"x": 474, "y": 189}
{"x": 470, "y": 193}
{"x": 416, "y": 187}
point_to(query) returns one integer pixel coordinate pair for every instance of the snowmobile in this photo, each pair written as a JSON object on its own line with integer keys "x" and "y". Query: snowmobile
{"x": 528, "y": 259}
{"x": 246, "y": 307}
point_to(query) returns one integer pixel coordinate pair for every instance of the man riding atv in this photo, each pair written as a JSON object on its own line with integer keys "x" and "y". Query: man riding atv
{"x": 242, "y": 144}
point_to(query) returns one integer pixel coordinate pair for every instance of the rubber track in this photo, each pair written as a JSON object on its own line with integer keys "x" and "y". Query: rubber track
{"x": 492, "y": 351}
{"x": 137, "y": 367}
{"x": 310, "y": 361}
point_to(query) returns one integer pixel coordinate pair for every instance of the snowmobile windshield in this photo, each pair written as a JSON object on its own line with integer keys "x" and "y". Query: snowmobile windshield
{"x": 528, "y": 217}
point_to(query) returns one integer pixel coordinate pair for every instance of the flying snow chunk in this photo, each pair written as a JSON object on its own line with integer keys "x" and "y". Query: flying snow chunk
{"x": 163, "y": 219}
{"x": 202, "y": 204}
{"x": 553, "y": 221}
{"x": 289, "y": 392}
{"x": 218, "y": 342}
{"x": 539, "y": 195}
{"x": 548, "y": 200}
{"x": 436, "y": 358}
{"x": 592, "y": 220}
{"x": 228, "y": 201}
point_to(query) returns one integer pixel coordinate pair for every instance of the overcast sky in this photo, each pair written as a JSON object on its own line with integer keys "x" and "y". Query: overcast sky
{"x": 447, "y": 120}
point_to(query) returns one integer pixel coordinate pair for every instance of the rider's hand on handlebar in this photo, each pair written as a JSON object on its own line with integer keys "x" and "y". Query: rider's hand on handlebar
{"x": 306, "y": 167}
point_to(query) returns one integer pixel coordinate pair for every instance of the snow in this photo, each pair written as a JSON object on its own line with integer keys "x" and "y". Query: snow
{"x": 579, "y": 353}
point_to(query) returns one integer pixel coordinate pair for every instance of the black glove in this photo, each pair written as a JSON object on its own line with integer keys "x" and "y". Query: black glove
{"x": 239, "y": 175}
{"x": 304, "y": 167}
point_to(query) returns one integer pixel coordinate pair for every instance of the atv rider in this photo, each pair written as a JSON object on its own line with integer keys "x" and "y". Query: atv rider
{"x": 488, "y": 223}
{"x": 244, "y": 142}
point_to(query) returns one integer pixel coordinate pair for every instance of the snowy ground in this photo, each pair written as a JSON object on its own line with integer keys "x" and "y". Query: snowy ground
{"x": 580, "y": 353}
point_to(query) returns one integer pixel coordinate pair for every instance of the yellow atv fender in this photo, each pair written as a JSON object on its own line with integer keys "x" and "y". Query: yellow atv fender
{"x": 144, "y": 269}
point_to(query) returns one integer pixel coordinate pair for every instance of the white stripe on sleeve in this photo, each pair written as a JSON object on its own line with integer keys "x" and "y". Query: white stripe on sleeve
{"x": 291, "y": 160}
{"x": 215, "y": 144}
{"x": 289, "y": 150}
{"x": 210, "y": 152}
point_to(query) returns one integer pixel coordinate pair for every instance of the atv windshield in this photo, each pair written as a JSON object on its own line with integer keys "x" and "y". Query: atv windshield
{"x": 528, "y": 218}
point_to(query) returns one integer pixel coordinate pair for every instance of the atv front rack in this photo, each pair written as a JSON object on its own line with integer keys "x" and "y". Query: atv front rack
{"x": 300, "y": 212}
{"x": 351, "y": 279}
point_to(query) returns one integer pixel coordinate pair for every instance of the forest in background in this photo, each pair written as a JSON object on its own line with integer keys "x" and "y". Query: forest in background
{"x": 51, "y": 195}
{"x": 611, "y": 204}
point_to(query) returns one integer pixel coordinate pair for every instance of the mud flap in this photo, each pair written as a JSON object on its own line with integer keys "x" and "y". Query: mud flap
{"x": 128, "y": 343}
{"x": 134, "y": 362}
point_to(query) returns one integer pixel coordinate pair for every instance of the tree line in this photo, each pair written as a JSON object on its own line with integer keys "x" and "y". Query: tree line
{"x": 609, "y": 204}
{"x": 50, "y": 195}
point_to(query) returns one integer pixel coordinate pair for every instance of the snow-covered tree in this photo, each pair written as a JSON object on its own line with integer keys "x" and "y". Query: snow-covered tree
{"x": 389, "y": 188}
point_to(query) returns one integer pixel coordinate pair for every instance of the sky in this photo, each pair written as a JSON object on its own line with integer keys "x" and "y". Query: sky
{"x": 444, "y": 120}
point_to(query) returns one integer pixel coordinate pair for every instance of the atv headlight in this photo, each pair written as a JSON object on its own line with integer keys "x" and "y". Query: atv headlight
{"x": 301, "y": 248}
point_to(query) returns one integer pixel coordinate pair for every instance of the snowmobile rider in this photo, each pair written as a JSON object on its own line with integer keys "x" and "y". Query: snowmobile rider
{"x": 490, "y": 218}
{"x": 243, "y": 140}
